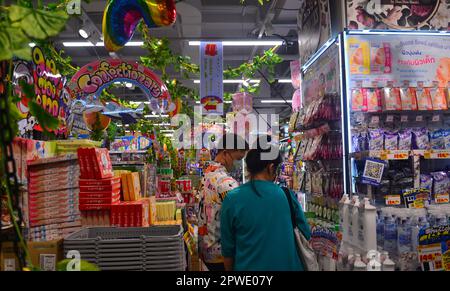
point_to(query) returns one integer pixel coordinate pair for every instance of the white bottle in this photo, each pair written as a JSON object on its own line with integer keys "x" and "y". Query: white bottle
{"x": 355, "y": 221}
{"x": 374, "y": 263}
{"x": 367, "y": 226}
{"x": 359, "y": 264}
{"x": 343, "y": 217}
{"x": 350, "y": 260}
{"x": 388, "y": 264}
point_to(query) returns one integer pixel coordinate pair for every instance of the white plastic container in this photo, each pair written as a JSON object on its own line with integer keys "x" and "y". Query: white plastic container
{"x": 355, "y": 221}
{"x": 359, "y": 265}
{"x": 367, "y": 233}
{"x": 343, "y": 217}
{"x": 388, "y": 264}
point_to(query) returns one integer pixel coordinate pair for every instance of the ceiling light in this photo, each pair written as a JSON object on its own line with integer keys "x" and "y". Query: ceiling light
{"x": 139, "y": 102}
{"x": 233, "y": 81}
{"x": 32, "y": 44}
{"x": 98, "y": 44}
{"x": 162, "y": 124}
{"x": 168, "y": 135}
{"x": 244, "y": 43}
{"x": 83, "y": 33}
{"x": 275, "y": 101}
{"x": 284, "y": 81}
{"x": 129, "y": 85}
{"x": 156, "y": 116}
{"x": 167, "y": 130}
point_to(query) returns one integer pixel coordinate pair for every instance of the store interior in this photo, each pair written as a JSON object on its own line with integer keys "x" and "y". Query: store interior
{"x": 109, "y": 110}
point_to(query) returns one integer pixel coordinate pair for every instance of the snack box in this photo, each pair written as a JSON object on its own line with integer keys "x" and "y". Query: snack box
{"x": 54, "y": 186}
{"x": 99, "y": 195}
{"x": 53, "y": 160}
{"x": 43, "y": 208}
{"x": 67, "y": 193}
{"x": 134, "y": 186}
{"x": 110, "y": 200}
{"x": 104, "y": 188}
{"x": 96, "y": 218}
{"x": 38, "y": 222}
{"x": 86, "y": 207}
{"x": 103, "y": 182}
{"x": 37, "y": 215}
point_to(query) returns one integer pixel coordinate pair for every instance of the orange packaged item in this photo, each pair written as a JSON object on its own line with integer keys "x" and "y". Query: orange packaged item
{"x": 408, "y": 97}
{"x": 392, "y": 100}
{"x": 373, "y": 97}
{"x": 438, "y": 98}
{"x": 423, "y": 99}
{"x": 359, "y": 102}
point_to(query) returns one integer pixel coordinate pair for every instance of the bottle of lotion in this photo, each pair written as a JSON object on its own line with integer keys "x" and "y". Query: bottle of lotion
{"x": 343, "y": 217}
{"x": 355, "y": 220}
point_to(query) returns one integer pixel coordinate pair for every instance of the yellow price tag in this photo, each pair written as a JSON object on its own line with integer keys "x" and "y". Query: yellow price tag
{"x": 427, "y": 155}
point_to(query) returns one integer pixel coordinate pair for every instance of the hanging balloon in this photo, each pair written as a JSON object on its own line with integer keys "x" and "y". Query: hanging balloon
{"x": 96, "y": 121}
{"x": 122, "y": 16}
{"x": 242, "y": 102}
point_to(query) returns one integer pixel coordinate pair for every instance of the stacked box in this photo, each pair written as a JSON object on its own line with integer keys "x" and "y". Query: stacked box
{"x": 131, "y": 213}
{"x": 53, "y": 197}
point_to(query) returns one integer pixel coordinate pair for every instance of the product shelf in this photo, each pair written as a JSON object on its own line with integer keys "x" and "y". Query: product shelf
{"x": 401, "y": 154}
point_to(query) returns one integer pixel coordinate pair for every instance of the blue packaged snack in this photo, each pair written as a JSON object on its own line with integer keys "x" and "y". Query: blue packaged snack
{"x": 376, "y": 140}
{"x": 421, "y": 139}
{"x": 441, "y": 182}
{"x": 437, "y": 139}
{"x": 426, "y": 181}
{"x": 356, "y": 142}
{"x": 391, "y": 140}
{"x": 405, "y": 140}
{"x": 447, "y": 138}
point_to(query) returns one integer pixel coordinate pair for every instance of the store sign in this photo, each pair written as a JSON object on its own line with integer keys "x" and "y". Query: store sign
{"x": 314, "y": 27}
{"x": 398, "y": 59}
{"x": 96, "y": 76}
{"x": 211, "y": 77}
{"x": 434, "y": 248}
{"x": 322, "y": 76}
{"x": 398, "y": 15}
{"x": 50, "y": 90}
{"x": 417, "y": 198}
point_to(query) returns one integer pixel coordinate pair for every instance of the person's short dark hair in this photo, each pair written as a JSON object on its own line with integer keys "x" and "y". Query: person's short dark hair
{"x": 232, "y": 141}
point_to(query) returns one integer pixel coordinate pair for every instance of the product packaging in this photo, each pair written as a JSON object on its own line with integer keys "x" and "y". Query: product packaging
{"x": 438, "y": 98}
{"x": 392, "y": 100}
{"x": 391, "y": 140}
{"x": 441, "y": 183}
{"x": 426, "y": 182}
{"x": 437, "y": 139}
{"x": 376, "y": 140}
{"x": 359, "y": 56}
{"x": 381, "y": 58}
{"x": 423, "y": 99}
{"x": 421, "y": 139}
{"x": 408, "y": 98}
{"x": 405, "y": 140}
{"x": 373, "y": 97}
{"x": 359, "y": 100}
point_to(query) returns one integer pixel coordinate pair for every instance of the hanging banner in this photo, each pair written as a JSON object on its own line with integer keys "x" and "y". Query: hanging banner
{"x": 91, "y": 79}
{"x": 398, "y": 58}
{"x": 322, "y": 76}
{"x": 314, "y": 27}
{"x": 50, "y": 90}
{"x": 211, "y": 77}
{"x": 398, "y": 15}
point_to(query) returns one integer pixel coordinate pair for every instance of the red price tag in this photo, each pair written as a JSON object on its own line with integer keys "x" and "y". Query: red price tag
{"x": 393, "y": 200}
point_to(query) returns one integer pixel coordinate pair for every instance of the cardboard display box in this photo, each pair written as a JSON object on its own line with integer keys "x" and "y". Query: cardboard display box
{"x": 8, "y": 259}
{"x": 46, "y": 255}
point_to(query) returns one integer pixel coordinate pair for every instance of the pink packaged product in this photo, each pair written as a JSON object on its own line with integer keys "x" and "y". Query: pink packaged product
{"x": 438, "y": 98}
{"x": 37, "y": 222}
{"x": 48, "y": 196}
{"x": 63, "y": 169}
{"x": 72, "y": 203}
{"x": 373, "y": 97}
{"x": 53, "y": 179}
{"x": 99, "y": 195}
{"x": 392, "y": 100}
{"x": 408, "y": 98}
{"x": 359, "y": 100}
{"x": 54, "y": 186}
{"x": 423, "y": 99}
{"x": 96, "y": 182}
{"x": 104, "y": 188}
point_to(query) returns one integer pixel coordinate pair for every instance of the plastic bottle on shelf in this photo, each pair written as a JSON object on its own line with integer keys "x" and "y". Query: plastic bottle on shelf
{"x": 404, "y": 234}
{"x": 373, "y": 261}
{"x": 350, "y": 260}
{"x": 355, "y": 221}
{"x": 368, "y": 230}
{"x": 390, "y": 235}
{"x": 380, "y": 229}
{"x": 388, "y": 264}
{"x": 415, "y": 228}
{"x": 359, "y": 265}
{"x": 343, "y": 217}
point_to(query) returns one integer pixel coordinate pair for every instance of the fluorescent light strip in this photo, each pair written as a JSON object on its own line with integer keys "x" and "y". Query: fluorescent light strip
{"x": 32, "y": 44}
{"x": 139, "y": 102}
{"x": 167, "y": 130}
{"x": 233, "y": 81}
{"x": 156, "y": 116}
{"x": 98, "y": 44}
{"x": 226, "y": 102}
{"x": 243, "y": 42}
{"x": 162, "y": 124}
{"x": 285, "y": 81}
{"x": 275, "y": 101}
{"x": 386, "y": 32}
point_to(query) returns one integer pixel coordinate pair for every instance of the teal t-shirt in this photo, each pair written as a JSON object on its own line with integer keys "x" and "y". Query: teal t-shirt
{"x": 256, "y": 230}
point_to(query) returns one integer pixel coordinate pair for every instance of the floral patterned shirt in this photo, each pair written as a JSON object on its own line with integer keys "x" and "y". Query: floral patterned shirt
{"x": 215, "y": 185}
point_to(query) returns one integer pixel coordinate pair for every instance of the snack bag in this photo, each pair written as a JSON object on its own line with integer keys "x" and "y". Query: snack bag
{"x": 437, "y": 140}
{"x": 373, "y": 97}
{"x": 390, "y": 140}
{"x": 438, "y": 98}
{"x": 376, "y": 140}
{"x": 405, "y": 140}
{"x": 359, "y": 101}
{"x": 421, "y": 139}
{"x": 447, "y": 138}
{"x": 426, "y": 182}
{"x": 440, "y": 182}
{"x": 408, "y": 98}
{"x": 392, "y": 100}
{"x": 423, "y": 99}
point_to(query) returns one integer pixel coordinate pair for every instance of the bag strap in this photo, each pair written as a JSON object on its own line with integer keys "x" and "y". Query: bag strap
{"x": 291, "y": 207}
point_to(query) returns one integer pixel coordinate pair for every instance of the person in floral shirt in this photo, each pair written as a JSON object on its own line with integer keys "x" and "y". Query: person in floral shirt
{"x": 216, "y": 183}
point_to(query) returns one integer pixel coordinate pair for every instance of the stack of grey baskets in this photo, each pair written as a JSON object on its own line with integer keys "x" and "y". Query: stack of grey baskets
{"x": 156, "y": 248}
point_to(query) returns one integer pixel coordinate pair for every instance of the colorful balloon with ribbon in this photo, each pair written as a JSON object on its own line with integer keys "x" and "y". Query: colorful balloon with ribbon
{"x": 122, "y": 16}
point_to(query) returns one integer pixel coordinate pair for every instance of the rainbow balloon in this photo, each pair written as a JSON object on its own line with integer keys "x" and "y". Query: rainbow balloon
{"x": 122, "y": 16}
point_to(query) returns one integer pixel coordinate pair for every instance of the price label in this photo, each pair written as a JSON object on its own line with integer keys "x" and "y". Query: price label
{"x": 437, "y": 155}
{"x": 384, "y": 155}
{"x": 375, "y": 119}
{"x": 443, "y": 155}
{"x": 436, "y": 118}
{"x": 442, "y": 198}
{"x": 419, "y": 118}
{"x": 400, "y": 156}
{"x": 393, "y": 200}
{"x": 390, "y": 118}
{"x": 404, "y": 118}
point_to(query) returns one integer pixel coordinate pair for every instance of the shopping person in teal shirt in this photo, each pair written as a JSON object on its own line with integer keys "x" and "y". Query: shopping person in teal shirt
{"x": 256, "y": 227}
